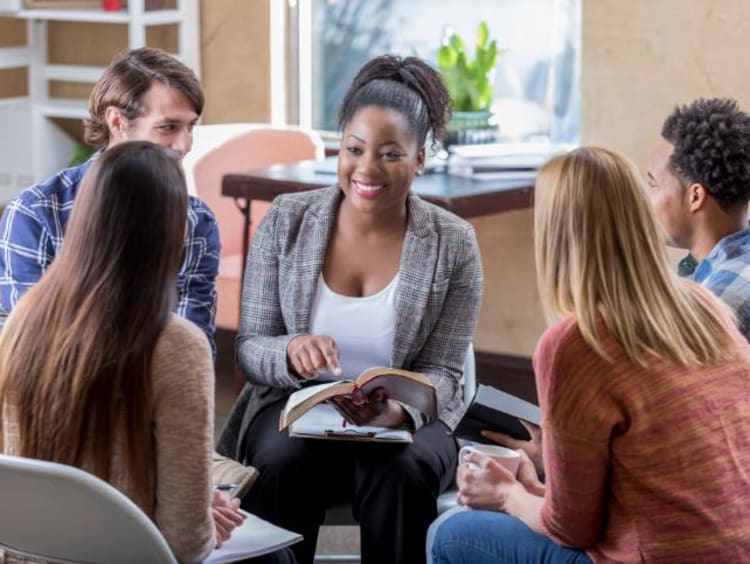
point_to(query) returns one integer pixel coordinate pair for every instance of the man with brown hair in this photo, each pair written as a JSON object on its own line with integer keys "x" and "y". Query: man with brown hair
{"x": 148, "y": 95}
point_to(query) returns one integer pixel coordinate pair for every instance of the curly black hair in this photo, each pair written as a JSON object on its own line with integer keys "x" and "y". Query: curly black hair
{"x": 711, "y": 141}
{"x": 407, "y": 85}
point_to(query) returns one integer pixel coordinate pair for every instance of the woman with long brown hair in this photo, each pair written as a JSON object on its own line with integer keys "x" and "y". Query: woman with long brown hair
{"x": 95, "y": 370}
{"x": 644, "y": 387}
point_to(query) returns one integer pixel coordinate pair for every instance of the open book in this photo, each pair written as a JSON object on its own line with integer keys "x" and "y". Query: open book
{"x": 322, "y": 421}
{"x": 495, "y": 410}
{"x": 255, "y": 537}
{"x": 405, "y": 386}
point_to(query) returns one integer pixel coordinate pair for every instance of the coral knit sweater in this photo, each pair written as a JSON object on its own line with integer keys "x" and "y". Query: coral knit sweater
{"x": 644, "y": 464}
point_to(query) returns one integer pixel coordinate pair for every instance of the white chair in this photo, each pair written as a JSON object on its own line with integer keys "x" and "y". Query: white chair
{"x": 58, "y": 512}
{"x": 449, "y": 499}
{"x": 341, "y": 515}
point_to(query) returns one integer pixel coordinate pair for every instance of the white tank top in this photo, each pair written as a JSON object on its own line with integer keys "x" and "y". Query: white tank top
{"x": 362, "y": 327}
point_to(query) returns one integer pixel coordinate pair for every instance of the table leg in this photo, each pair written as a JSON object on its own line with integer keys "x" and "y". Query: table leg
{"x": 245, "y": 249}
{"x": 245, "y": 237}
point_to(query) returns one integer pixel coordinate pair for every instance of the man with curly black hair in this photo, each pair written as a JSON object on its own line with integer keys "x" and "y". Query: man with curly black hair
{"x": 699, "y": 183}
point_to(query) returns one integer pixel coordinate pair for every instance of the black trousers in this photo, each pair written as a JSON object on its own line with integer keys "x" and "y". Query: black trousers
{"x": 393, "y": 488}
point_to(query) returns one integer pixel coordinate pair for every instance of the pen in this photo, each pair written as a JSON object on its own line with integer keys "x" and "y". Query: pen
{"x": 226, "y": 487}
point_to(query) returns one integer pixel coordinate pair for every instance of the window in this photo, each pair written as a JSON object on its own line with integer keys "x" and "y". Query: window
{"x": 536, "y": 78}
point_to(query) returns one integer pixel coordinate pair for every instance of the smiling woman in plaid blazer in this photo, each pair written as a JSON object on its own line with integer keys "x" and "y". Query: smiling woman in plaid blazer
{"x": 360, "y": 273}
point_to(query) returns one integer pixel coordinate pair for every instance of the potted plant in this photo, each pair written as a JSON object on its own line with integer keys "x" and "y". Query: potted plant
{"x": 470, "y": 86}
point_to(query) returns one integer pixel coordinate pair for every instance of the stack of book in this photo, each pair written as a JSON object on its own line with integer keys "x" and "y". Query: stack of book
{"x": 501, "y": 161}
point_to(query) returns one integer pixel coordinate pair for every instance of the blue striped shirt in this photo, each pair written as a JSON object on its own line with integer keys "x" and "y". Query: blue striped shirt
{"x": 32, "y": 229}
{"x": 726, "y": 273}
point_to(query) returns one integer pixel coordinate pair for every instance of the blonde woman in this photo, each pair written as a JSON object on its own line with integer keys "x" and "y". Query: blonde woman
{"x": 644, "y": 385}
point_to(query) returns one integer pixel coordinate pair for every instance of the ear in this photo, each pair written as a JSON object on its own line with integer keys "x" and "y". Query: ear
{"x": 697, "y": 196}
{"x": 116, "y": 123}
{"x": 420, "y": 161}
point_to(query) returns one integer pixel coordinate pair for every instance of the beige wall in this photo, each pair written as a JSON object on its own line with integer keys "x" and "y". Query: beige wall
{"x": 236, "y": 60}
{"x": 641, "y": 57}
{"x": 511, "y": 319}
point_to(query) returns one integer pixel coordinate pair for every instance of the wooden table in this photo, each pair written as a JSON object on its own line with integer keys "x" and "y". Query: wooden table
{"x": 463, "y": 196}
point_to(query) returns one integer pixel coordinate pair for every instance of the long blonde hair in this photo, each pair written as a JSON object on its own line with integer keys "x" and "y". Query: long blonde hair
{"x": 600, "y": 256}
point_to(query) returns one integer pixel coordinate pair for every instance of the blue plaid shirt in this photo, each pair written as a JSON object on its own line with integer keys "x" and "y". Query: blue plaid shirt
{"x": 32, "y": 229}
{"x": 726, "y": 272}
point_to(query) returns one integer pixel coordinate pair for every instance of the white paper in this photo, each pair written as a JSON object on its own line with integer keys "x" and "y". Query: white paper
{"x": 254, "y": 537}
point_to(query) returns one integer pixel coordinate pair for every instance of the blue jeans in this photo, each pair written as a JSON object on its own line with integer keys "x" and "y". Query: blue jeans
{"x": 461, "y": 536}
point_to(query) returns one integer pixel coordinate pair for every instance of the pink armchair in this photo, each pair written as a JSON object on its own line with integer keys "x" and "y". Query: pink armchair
{"x": 219, "y": 149}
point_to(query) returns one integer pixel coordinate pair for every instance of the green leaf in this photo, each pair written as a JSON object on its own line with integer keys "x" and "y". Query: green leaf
{"x": 491, "y": 59}
{"x": 485, "y": 95}
{"x": 461, "y": 62}
{"x": 457, "y": 43}
{"x": 446, "y": 57}
{"x": 482, "y": 34}
{"x": 468, "y": 81}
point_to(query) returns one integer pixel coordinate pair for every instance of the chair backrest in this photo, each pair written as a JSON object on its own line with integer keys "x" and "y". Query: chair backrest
{"x": 59, "y": 512}
{"x": 469, "y": 379}
{"x": 257, "y": 146}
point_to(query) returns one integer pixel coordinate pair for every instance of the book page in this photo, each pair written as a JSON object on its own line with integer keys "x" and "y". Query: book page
{"x": 408, "y": 387}
{"x": 324, "y": 420}
{"x": 254, "y": 537}
{"x": 303, "y": 394}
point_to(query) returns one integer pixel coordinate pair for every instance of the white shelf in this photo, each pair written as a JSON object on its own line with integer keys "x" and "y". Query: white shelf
{"x": 49, "y": 147}
{"x": 11, "y": 57}
{"x": 17, "y": 102}
{"x": 162, "y": 17}
{"x": 71, "y": 108}
{"x": 155, "y": 17}
{"x": 72, "y": 73}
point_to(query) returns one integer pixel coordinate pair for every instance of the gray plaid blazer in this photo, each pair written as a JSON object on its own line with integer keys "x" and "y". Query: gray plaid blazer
{"x": 437, "y": 302}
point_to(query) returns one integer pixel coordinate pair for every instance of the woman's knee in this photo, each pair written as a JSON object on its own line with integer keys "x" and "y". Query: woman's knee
{"x": 471, "y": 536}
{"x": 435, "y": 526}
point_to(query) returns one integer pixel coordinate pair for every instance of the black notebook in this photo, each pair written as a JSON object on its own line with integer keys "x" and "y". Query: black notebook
{"x": 494, "y": 410}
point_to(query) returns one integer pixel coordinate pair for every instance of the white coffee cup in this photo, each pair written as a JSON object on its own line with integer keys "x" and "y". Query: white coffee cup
{"x": 509, "y": 458}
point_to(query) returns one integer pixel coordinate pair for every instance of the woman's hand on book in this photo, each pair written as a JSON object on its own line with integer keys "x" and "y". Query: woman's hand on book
{"x": 309, "y": 353}
{"x": 226, "y": 514}
{"x": 373, "y": 409}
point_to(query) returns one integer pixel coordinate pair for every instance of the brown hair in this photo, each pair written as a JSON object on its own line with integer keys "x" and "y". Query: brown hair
{"x": 125, "y": 82}
{"x": 75, "y": 355}
{"x": 600, "y": 255}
